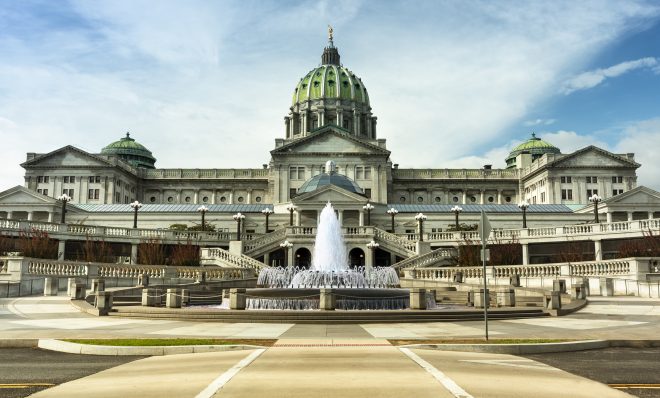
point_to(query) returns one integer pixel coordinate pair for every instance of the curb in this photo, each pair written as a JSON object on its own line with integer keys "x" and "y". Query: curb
{"x": 540, "y": 348}
{"x": 18, "y": 343}
{"x": 87, "y": 349}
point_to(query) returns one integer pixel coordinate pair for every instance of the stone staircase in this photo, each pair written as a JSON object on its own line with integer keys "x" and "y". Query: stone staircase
{"x": 264, "y": 244}
{"x": 395, "y": 244}
{"x": 433, "y": 258}
{"x": 223, "y": 258}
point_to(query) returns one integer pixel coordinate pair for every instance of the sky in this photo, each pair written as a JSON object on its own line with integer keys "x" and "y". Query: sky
{"x": 206, "y": 84}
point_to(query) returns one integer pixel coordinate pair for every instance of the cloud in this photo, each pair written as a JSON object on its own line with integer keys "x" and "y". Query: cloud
{"x": 539, "y": 122}
{"x": 643, "y": 139}
{"x": 206, "y": 84}
{"x": 570, "y": 141}
{"x": 593, "y": 78}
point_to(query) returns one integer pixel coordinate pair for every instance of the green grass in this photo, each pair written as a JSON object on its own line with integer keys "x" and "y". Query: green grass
{"x": 479, "y": 341}
{"x": 168, "y": 342}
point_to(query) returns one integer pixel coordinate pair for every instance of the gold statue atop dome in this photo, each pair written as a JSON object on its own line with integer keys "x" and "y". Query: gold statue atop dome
{"x": 330, "y": 30}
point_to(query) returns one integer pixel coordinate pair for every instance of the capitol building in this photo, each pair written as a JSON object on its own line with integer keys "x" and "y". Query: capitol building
{"x": 329, "y": 151}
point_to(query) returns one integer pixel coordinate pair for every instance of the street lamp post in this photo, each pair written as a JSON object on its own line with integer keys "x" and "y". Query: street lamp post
{"x": 456, "y": 210}
{"x": 286, "y": 245}
{"x": 523, "y": 206}
{"x": 368, "y": 207}
{"x": 393, "y": 212}
{"x": 595, "y": 199}
{"x": 203, "y": 209}
{"x": 136, "y": 206}
{"x": 372, "y": 246}
{"x": 238, "y": 217}
{"x": 65, "y": 199}
{"x": 420, "y": 217}
{"x": 267, "y": 212}
{"x": 291, "y": 209}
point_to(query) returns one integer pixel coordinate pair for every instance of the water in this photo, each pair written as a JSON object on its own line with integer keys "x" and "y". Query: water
{"x": 329, "y": 249}
{"x": 358, "y": 277}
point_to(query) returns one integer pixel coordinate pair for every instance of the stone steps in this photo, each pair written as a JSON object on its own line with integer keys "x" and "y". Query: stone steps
{"x": 339, "y": 317}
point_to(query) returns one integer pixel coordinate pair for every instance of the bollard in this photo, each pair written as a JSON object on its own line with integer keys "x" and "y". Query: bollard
{"x": 514, "y": 280}
{"x": 327, "y": 300}
{"x": 104, "y": 302}
{"x": 200, "y": 277}
{"x": 506, "y": 297}
{"x": 479, "y": 298}
{"x": 173, "y": 298}
{"x": 143, "y": 279}
{"x": 237, "y": 299}
{"x": 98, "y": 285}
{"x": 578, "y": 291}
{"x": 458, "y": 277}
{"x": 51, "y": 286}
{"x": 470, "y": 298}
{"x": 559, "y": 285}
{"x": 185, "y": 296}
{"x": 552, "y": 300}
{"x": 69, "y": 286}
{"x": 78, "y": 291}
{"x": 585, "y": 282}
{"x": 151, "y": 297}
{"x": 606, "y": 287}
{"x": 417, "y": 298}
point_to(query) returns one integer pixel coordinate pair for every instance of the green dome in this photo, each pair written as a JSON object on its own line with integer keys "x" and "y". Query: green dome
{"x": 131, "y": 151}
{"x": 534, "y": 146}
{"x": 330, "y": 81}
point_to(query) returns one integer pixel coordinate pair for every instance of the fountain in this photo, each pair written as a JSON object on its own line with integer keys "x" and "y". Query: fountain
{"x": 363, "y": 287}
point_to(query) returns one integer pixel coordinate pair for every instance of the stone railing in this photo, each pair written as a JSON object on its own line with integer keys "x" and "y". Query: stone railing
{"x": 425, "y": 260}
{"x": 216, "y": 254}
{"x": 19, "y": 267}
{"x": 529, "y": 271}
{"x": 205, "y": 173}
{"x": 602, "y": 268}
{"x": 424, "y": 174}
{"x": 407, "y": 245}
{"x": 264, "y": 241}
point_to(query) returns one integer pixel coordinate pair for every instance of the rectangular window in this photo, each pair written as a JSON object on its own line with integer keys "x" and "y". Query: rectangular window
{"x": 362, "y": 172}
{"x": 367, "y": 192}
{"x": 592, "y": 180}
{"x": 119, "y": 183}
{"x": 542, "y": 197}
{"x": 292, "y": 192}
{"x": 566, "y": 180}
{"x": 40, "y": 179}
{"x": 591, "y": 192}
{"x": 66, "y": 179}
{"x": 45, "y": 192}
{"x": 617, "y": 192}
{"x": 92, "y": 194}
{"x": 68, "y": 192}
{"x": 297, "y": 172}
{"x": 617, "y": 180}
{"x": 567, "y": 194}
{"x": 117, "y": 197}
{"x": 367, "y": 172}
{"x": 125, "y": 199}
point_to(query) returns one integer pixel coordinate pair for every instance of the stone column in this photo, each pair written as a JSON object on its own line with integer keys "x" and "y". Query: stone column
{"x": 650, "y": 215}
{"x": 287, "y": 123}
{"x": 30, "y": 213}
{"x": 50, "y": 216}
{"x": 134, "y": 253}
{"x": 630, "y": 216}
{"x": 598, "y": 250}
{"x": 61, "y": 247}
{"x": 465, "y": 196}
{"x": 249, "y": 196}
{"x": 499, "y": 196}
{"x": 10, "y": 214}
{"x": 297, "y": 221}
{"x": 361, "y": 218}
{"x": 340, "y": 217}
{"x": 481, "y": 196}
{"x": 608, "y": 216}
{"x": 525, "y": 254}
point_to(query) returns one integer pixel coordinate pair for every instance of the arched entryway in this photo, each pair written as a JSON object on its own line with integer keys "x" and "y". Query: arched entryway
{"x": 356, "y": 257}
{"x": 382, "y": 258}
{"x": 303, "y": 258}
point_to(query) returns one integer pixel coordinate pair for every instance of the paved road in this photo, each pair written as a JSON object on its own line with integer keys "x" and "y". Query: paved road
{"x": 612, "y": 366}
{"x": 33, "y": 369}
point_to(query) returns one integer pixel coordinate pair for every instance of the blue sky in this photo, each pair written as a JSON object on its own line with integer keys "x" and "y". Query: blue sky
{"x": 206, "y": 83}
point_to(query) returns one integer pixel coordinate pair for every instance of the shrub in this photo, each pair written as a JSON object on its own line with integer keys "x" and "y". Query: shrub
{"x": 151, "y": 252}
{"x": 37, "y": 244}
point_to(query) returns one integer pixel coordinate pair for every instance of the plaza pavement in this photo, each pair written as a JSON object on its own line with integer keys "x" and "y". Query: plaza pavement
{"x": 332, "y": 360}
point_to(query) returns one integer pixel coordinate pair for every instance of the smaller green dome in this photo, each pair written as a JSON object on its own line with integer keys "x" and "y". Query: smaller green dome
{"x": 131, "y": 151}
{"x": 534, "y": 146}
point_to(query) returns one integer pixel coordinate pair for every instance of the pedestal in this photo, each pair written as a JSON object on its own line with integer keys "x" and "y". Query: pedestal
{"x": 51, "y": 286}
{"x": 479, "y": 298}
{"x": 151, "y": 297}
{"x": 417, "y": 298}
{"x": 237, "y": 299}
{"x": 327, "y": 300}
{"x": 173, "y": 298}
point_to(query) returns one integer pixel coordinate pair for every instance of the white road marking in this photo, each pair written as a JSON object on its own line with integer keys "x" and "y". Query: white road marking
{"x": 448, "y": 383}
{"x": 224, "y": 378}
{"x": 526, "y": 363}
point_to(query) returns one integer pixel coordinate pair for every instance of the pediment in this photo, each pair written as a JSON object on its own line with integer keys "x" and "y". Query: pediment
{"x": 637, "y": 196}
{"x": 67, "y": 156}
{"x": 594, "y": 157}
{"x": 329, "y": 141}
{"x": 22, "y": 196}
{"x": 330, "y": 193}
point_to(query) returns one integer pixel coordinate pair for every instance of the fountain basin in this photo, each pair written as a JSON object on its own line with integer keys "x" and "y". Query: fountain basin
{"x": 309, "y": 298}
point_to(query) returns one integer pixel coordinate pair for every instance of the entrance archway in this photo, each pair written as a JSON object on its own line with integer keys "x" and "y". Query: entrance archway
{"x": 303, "y": 258}
{"x": 356, "y": 257}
